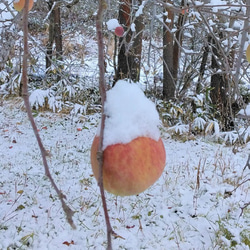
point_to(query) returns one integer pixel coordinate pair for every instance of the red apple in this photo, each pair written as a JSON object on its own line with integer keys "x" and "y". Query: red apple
{"x": 19, "y": 4}
{"x": 129, "y": 169}
{"x": 119, "y": 31}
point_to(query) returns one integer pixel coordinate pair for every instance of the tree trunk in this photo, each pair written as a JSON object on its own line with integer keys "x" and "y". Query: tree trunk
{"x": 58, "y": 41}
{"x": 178, "y": 42}
{"x": 168, "y": 78}
{"x": 124, "y": 19}
{"x": 49, "y": 45}
{"x": 135, "y": 55}
{"x": 203, "y": 64}
{"x": 58, "y": 33}
{"x": 130, "y": 46}
{"x": 171, "y": 51}
{"x": 55, "y": 36}
{"x": 219, "y": 94}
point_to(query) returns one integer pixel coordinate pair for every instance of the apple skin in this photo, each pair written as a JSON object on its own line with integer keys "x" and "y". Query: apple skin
{"x": 129, "y": 169}
{"x": 19, "y": 5}
{"x": 119, "y": 31}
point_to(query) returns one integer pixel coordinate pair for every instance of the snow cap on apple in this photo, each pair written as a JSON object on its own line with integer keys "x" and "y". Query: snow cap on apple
{"x": 113, "y": 25}
{"x": 129, "y": 114}
{"x": 133, "y": 153}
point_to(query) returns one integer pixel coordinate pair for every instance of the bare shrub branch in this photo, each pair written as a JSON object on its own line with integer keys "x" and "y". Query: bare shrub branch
{"x": 102, "y": 87}
{"x": 69, "y": 213}
{"x": 247, "y": 163}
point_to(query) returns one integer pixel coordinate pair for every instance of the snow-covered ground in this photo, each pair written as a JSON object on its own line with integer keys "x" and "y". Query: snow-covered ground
{"x": 200, "y": 201}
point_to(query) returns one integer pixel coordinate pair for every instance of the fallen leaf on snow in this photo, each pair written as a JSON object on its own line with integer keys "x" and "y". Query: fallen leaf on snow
{"x": 69, "y": 243}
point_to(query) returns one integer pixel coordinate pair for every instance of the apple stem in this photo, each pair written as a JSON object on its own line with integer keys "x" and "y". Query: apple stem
{"x": 24, "y": 91}
{"x": 102, "y": 88}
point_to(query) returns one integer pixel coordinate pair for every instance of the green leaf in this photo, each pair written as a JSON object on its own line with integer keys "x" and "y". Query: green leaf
{"x": 20, "y": 207}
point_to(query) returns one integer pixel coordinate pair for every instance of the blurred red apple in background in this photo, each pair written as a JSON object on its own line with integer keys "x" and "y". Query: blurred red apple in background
{"x": 119, "y": 31}
{"x": 19, "y": 4}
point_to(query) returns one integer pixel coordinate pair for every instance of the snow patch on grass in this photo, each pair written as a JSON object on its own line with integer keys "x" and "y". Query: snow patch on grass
{"x": 198, "y": 201}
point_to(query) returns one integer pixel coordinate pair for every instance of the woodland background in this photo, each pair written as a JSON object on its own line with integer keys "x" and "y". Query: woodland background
{"x": 189, "y": 58}
{"x": 189, "y": 55}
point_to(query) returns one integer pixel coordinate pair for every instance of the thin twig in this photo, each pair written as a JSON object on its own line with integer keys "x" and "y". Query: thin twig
{"x": 50, "y": 11}
{"x": 229, "y": 193}
{"x": 69, "y": 213}
{"x": 102, "y": 87}
{"x": 247, "y": 163}
{"x": 243, "y": 207}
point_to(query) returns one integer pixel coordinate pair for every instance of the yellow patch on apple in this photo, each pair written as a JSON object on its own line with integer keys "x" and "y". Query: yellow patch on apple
{"x": 248, "y": 53}
{"x": 129, "y": 169}
{"x": 19, "y": 4}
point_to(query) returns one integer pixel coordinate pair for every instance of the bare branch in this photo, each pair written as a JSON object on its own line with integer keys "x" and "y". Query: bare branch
{"x": 69, "y": 213}
{"x": 242, "y": 208}
{"x": 229, "y": 193}
{"x": 247, "y": 163}
{"x": 102, "y": 87}
{"x": 242, "y": 43}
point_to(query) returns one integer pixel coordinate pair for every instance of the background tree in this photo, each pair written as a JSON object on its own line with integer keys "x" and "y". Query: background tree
{"x": 130, "y": 46}
{"x": 171, "y": 48}
{"x": 55, "y": 33}
{"x": 203, "y": 63}
{"x": 219, "y": 88}
{"x": 221, "y": 43}
{"x": 183, "y": 70}
{"x": 202, "y": 47}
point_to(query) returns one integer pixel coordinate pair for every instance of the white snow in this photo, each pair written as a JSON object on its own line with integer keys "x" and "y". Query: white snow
{"x": 168, "y": 20}
{"x": 37, "y": 97}
{"x": 5, "y": 16}
{"x": 198, "y": 3}
{"x": 140, "y": 9}
{"x": 112, "y": 24}
{"x": 174, "y": 212}
{"x": 129, "y": 114}
{"x": 245, "y": 112}
{"x": 132, "y": 27}
{"x": 217, "y": 3}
